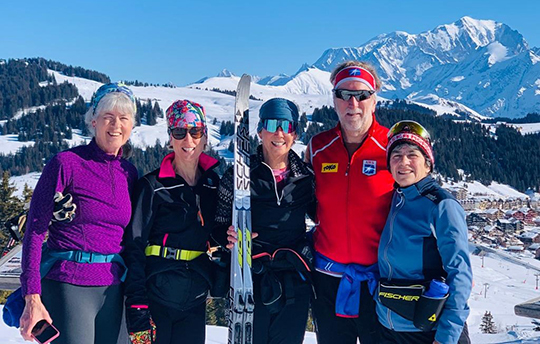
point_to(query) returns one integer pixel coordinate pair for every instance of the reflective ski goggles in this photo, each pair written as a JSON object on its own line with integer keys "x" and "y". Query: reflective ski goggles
{"x": 180, "y": 133}
{"x": 347, "y": 94}
{"x": 272, "y": 125}
{"x": 409, "y": 127}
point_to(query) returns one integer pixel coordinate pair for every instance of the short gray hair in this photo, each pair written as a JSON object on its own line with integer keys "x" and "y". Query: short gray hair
{"x": 110, "y": 102}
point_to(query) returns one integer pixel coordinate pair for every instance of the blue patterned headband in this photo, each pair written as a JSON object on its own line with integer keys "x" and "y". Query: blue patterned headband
{"x": 109, "y": 88}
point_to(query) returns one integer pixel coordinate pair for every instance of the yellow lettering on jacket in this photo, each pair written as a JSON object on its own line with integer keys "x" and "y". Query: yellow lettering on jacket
{"x": 399, "y": 297}
{"x": 329, "y": 167}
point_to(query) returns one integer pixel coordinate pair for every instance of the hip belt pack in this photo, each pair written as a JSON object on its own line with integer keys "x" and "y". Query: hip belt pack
{"x": 15, "y": 302}
{"x": 171, "y": 253}
{"x": 411, "y": 302}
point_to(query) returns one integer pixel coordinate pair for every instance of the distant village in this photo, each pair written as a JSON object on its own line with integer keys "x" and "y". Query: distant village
{"x": 512, "y": 224}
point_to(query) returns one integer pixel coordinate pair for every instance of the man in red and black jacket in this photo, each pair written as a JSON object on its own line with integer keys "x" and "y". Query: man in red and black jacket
{"x": 353, "y": 190}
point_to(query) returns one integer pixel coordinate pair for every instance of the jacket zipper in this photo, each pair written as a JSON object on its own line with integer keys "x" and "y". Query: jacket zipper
{"x": 398, "y": 206}
{"x": 278, "y": 198}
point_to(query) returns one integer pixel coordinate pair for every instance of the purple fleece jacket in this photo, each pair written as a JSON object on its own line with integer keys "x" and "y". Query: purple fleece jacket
{"x": 100, "y": 185}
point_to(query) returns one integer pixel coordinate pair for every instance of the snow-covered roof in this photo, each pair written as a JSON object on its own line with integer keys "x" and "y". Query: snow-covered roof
{"x": 489, "y": 228}
{"x": 492, "y": 211}
{"x": 529, "y": 235}
{"x": 534, "y": 247}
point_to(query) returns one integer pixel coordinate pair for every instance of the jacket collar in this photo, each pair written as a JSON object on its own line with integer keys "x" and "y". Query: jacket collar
{"x": 418, "y": 188}
{"x": 296, "y": 165}
{"x": 166, "y": 169}
{"x": 100, "y": 154}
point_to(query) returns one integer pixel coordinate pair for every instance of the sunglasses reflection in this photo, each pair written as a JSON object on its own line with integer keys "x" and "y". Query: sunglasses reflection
{"x": 194, "y": 132}
{"x": 360, "y": 95}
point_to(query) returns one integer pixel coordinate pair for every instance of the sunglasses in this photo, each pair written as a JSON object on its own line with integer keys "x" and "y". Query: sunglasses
{"x": 347, "y": 94}
{"x": 180, "y": 133}
{"x": 272, "y": 125}
{"x": 409, "y": 127}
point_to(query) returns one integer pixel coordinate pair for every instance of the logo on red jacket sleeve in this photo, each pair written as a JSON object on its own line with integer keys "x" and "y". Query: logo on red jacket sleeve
{"x": 369, "y": 167}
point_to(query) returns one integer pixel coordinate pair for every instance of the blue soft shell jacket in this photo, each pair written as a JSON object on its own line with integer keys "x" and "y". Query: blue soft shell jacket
{"x": 426, "y": 227}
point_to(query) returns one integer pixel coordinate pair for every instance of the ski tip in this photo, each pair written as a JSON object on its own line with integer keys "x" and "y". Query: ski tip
{"x": 245, "y": 77}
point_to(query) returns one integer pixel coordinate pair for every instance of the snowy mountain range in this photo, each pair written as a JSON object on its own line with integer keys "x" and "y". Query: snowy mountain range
{"x": 482, "y": 65}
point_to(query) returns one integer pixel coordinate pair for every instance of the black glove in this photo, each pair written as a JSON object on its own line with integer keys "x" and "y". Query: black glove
{"x": 64, "y": 208}
{"x": 141, "y": 327}
{"x": 138, "y": 318}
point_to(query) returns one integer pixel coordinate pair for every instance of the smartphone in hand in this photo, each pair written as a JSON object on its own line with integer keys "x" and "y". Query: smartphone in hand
{"x": 44, "y": 332}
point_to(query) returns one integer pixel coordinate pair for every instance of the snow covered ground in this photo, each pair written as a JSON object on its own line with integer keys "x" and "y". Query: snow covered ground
{"x": 10, "y": 144}
{"x": 494, "y": 190}
{"x": 528, "y": 128}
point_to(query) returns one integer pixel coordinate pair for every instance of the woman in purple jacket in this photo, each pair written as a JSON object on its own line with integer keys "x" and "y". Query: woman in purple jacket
{"x": 82, "y": 201}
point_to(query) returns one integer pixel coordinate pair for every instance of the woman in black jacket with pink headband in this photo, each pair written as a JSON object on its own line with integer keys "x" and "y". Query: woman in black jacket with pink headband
{"x": 166, "y": 242}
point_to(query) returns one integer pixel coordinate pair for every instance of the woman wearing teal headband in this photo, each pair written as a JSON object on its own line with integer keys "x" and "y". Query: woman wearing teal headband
{"x": 82, "y": 201}
{"x": 281, "y": 195}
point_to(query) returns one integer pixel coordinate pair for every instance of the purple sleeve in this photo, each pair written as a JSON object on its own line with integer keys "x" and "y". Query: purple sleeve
{"x": 54, "y": 178}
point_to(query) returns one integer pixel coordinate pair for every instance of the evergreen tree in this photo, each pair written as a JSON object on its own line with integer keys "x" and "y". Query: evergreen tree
{"x": 226, "y": 128}
{"x": 27, "y": 194}
{"x": 302, "y": 124}
{"x": 487, "y": 325}
{"x": 10, "y": 205}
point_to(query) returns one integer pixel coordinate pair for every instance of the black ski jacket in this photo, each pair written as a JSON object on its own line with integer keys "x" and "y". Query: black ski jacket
{"x": 282, "y": 258}
{"x": 169, "y": 212}
{"x": 278, "y": 218}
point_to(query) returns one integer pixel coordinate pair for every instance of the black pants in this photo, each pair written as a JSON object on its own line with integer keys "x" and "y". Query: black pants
{"x": 332, "y": 329}
{"x": 176, "y": 326}
{"x": 288, "y": 326}
{"x": 84, "y": 315}
{"x": 392, "y": 337}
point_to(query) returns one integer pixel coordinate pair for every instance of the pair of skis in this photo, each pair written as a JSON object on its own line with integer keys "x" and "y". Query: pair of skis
{"x": 241, "y": 299}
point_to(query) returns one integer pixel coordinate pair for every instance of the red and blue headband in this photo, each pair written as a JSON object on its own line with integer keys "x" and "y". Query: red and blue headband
{"x": 355, "y": 73}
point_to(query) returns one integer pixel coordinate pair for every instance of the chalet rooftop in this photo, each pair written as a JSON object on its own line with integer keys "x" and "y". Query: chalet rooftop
{"x": 529, "y": 235}
{"x": 534, "y": 247}
{"x": 491, "y": 211}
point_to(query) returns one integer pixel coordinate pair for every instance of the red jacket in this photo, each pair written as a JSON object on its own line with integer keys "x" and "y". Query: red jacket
{"x": 353, "y": 196}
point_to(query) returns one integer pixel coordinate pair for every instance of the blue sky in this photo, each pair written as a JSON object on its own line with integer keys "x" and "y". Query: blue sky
{"x": 183, "y": 41}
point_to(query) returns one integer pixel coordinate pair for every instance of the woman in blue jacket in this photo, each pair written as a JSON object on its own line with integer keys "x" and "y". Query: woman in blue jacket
{"x": 423, "y": 246}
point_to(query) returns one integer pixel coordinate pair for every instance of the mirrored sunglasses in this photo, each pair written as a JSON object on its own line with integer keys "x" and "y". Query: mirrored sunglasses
{"x": 347, "y": 94}
{"x": 272, "y": 125}
{"x": 180, "y": 133}
{"x": 409, "y": 127}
